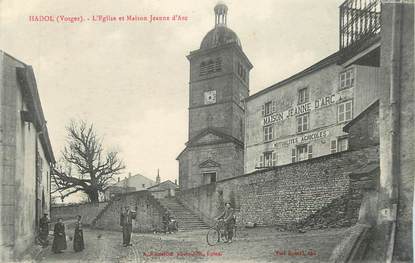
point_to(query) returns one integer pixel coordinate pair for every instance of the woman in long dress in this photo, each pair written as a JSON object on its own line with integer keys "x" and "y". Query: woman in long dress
{"x": 78, "y": 238}
{"x": 59, "y": 240}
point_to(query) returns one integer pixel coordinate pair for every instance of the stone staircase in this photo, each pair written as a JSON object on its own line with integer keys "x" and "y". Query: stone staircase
{"x": 186, "y": 218}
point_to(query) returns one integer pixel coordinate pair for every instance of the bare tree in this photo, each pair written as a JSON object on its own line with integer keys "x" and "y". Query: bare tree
{"x": 84, "y": 166}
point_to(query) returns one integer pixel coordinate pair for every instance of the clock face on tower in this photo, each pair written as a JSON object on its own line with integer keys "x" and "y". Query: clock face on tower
{"x": 210, "y": 97}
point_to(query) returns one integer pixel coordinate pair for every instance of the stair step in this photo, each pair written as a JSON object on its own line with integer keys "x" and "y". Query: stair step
{"x": 186, "y": 218}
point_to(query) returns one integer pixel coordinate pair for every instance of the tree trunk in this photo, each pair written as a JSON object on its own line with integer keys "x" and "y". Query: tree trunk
{"x": 93, "y": 196}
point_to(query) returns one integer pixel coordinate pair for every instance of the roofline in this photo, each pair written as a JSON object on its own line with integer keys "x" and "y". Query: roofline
{"x": 331, "y": 59}
{"x": 358, "y": 117}
{"x": 162, "y": 183}
{"x": 27, "y": 81}
{"x": 227, "y": 139}
{"x": 126, "y": 178}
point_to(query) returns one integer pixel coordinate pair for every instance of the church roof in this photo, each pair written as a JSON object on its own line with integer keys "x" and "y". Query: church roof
{"x": 219, "y": 36}
{"x": 210, "y": 136}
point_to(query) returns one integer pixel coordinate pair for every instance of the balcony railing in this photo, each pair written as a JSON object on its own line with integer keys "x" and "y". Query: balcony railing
{"x": 359, "y": 21}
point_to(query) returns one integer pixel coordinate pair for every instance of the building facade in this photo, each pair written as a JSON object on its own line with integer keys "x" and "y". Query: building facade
{"x": 26, "y": 158}
{"x": 302, "y": 117}
{"x": 130, "y": 183}
{"x": 219, "y": 81}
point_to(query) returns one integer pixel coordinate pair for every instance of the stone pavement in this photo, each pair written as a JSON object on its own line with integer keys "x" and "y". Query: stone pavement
{"x": 251, "y": 245}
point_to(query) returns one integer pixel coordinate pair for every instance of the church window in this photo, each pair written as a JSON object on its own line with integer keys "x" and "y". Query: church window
{"x": 203, "y": 69}
{"x": 241, "y": 71}
{"x": 210, "y": 66}
{"x": 209, "y": 177}
{"x": 218, "y": 64}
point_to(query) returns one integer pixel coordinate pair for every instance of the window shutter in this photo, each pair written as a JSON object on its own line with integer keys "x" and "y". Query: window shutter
{"x": 274, "y": 106}
{"x": 340, "y": 113}
{"x": 263, "y": 109}
{"x": 274, "y": 158}
{"x": 261, "y": 161}
{"x": 333, "y": 146}
{"x": 293, "y": 155}
{"x": 310, "y": 151}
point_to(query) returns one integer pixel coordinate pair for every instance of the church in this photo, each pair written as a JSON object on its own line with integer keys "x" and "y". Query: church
{"x": 219, "y": 82}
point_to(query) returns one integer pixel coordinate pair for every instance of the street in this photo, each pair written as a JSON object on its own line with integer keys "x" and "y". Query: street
{"x": 250, "y": 245}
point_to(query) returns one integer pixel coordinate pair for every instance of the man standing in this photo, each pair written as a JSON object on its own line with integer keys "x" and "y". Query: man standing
{"x": 228, "y": 217}
{"x": 126, "y": 222}
{"x": 44, "y": 230}
{"x": 166, "y": 222}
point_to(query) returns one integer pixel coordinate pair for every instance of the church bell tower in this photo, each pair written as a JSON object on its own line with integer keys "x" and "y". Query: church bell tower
{"x": 219, "y": 81}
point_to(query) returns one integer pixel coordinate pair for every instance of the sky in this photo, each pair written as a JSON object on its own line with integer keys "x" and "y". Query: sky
{"x": 131, "y": 79}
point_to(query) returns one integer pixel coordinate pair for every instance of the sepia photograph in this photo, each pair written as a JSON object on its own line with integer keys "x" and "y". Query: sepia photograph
{"x": 207, "y": 131}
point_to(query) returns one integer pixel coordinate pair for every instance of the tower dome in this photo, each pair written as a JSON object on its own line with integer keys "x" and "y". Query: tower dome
{"x": 221, "y": 34}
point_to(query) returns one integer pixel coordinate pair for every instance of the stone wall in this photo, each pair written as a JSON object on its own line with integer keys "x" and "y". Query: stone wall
{"x": 283, "y": 194}
{"x": 88, "y": 212}
{"x": 149, "y": 212}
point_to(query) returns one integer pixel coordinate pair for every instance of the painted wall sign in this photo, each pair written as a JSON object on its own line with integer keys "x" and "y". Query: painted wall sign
{"x": 300, "y": 109}
{"x": 312, "y": 136}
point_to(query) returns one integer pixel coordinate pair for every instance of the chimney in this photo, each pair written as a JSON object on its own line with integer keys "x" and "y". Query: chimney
{"x": 129, "y": 174}
{"x": 118, "y": 179}
{"x": 175, "y": 181}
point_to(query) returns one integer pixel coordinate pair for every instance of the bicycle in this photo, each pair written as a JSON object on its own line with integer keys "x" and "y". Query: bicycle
{"x": 216, "y": 233}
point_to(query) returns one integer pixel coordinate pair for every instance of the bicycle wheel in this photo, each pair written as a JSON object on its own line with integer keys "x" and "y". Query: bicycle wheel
{"x": 212, "y": 237}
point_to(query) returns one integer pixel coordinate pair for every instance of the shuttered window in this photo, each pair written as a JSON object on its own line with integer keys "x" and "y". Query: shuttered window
{"x": 303, "y": 123}
{"x": 303, "y": 96}
{"x": 294, "y": 155}
{"x": 261, "y": 161}
{"x": 210, "y": 66}
{"x": 345, "y": 111}
{"x": 342, "y": 144}
{"x": 310, "y": 151}
{"x": 333, "y": 146}
{"x": 268, "y": 133}
{"x": 346, "y": 79}
{"x": 274, "y": 158}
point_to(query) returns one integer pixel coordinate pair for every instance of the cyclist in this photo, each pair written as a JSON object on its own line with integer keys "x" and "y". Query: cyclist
{"x": 229, "y": 219}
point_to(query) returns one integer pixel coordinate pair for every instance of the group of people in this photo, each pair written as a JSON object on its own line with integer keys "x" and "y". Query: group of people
{"x": 59, "y": 235}
{"x": 126, "y": 219}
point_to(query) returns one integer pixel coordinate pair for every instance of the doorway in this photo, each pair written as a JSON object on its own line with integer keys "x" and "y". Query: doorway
{"x": 209, "y": 177}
